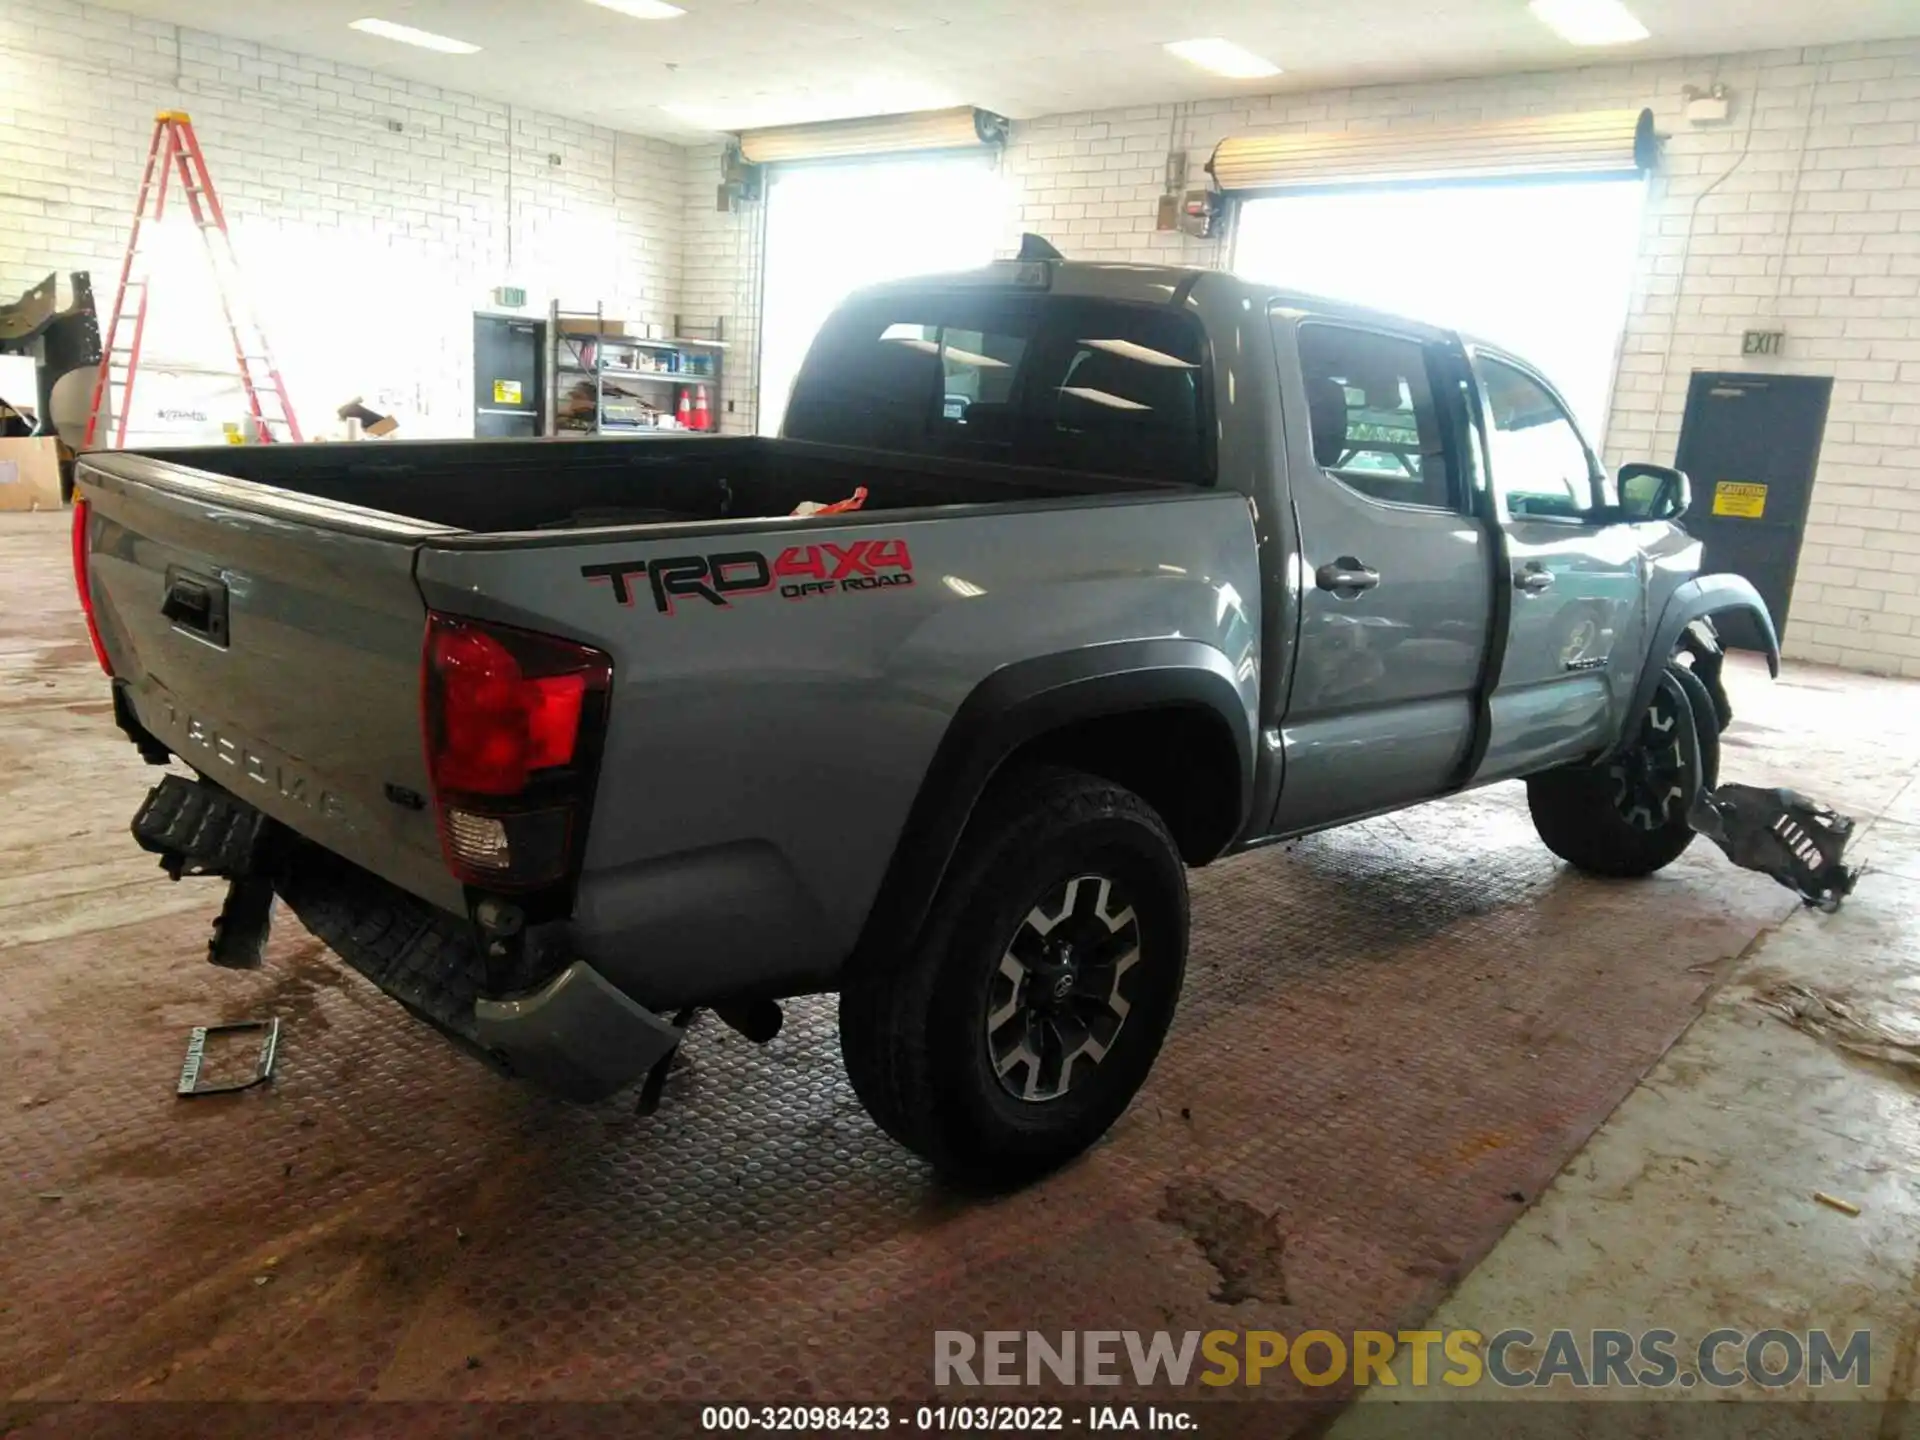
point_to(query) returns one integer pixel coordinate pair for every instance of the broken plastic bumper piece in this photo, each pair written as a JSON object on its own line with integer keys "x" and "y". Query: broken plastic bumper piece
{"x": 576, "y": 1036}
{"x": 1781, "y": 833}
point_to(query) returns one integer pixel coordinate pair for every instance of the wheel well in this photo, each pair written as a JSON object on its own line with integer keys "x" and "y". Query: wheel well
{"x": 1179, "y": 759}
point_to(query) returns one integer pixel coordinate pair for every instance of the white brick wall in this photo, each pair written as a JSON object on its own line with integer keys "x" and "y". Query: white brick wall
{"x": 1802, "y": 213}
{"x": 720, "y": 279}
{"x": 368, "y": 249}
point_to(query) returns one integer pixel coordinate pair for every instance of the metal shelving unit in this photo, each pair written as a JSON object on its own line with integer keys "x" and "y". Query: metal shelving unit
{"x": 667, "y": 366}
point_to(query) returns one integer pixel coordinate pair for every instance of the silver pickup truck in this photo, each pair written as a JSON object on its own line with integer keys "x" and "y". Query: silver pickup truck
{"x": 558, "y": 742}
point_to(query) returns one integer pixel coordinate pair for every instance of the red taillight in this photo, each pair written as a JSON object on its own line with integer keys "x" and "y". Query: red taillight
{"x": 83, "y": 584}
{"x": 510, "y": 717}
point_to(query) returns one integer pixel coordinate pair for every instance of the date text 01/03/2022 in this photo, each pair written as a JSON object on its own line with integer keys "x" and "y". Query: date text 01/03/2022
{"x": 948, "y": 1419}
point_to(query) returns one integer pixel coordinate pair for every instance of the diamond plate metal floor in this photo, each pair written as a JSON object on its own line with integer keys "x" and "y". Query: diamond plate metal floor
{"x": 1393, "y": 1036}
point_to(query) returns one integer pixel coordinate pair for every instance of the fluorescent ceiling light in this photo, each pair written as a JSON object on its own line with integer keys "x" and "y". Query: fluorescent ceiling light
{"x": 704, "y": 117}
{"x": 641, "y": 9}
{"x": 959, "y": 357}
{"x": 1223, "y": 57}
{"x": 1128, "y": 350}
{"x": 1101, "y": 397}
{"x": 407, "y": 35}
{"x": 1589, "y": 22}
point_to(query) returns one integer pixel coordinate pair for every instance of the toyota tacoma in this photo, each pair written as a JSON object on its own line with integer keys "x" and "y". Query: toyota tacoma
{"x": 560, "y": 742}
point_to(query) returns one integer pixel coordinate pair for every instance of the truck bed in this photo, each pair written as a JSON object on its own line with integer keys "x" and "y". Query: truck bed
{"x": 494, "y": 486}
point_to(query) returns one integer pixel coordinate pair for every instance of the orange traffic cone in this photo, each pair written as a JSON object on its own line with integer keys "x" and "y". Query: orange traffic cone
{"x": 702, "y": 416}
{"x": 683, "y": 412}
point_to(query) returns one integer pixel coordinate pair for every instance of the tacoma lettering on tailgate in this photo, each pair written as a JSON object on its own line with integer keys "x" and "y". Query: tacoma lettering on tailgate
{"x": 799, "y": 572}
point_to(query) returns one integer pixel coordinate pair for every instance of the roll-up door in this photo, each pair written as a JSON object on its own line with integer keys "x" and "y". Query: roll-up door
{"x": 1595, "y": 144}
{"x": 963, "y": 128}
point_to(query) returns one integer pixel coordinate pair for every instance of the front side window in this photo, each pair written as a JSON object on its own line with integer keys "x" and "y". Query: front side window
{"x": 1375, "y": 426}
{"x": 1540, "y": 463}
{"x": 1066, "y": 383}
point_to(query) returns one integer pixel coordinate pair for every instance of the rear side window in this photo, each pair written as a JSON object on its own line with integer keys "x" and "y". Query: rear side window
{"x": 1375, "y": 426}
{"x": 1069, "y": 384}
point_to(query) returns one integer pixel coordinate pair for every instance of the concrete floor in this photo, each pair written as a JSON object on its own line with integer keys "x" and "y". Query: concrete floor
{"x": 1396, "y": 1046}
{"x": 1693, "y": 1207}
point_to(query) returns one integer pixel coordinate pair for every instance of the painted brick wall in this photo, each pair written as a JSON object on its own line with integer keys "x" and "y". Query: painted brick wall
{"x": 1802, "y": 212}
{"x": 368, "y": 247}
{"x": 720, "y": 278}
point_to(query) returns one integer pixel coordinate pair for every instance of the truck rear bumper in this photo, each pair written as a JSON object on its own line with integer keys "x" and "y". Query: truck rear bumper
{"x": 576, "y": 1036}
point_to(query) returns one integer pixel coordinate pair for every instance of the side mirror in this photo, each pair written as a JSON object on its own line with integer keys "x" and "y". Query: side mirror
{"x": 1654, "y": 492}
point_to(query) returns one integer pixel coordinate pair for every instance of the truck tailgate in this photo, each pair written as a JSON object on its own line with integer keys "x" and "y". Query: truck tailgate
{"x": 273, "y": 642}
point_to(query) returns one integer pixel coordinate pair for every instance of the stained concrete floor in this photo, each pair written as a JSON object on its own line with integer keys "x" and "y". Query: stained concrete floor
{"x": 1693, "y": 1208}
{"x": 1422, "y": 1020}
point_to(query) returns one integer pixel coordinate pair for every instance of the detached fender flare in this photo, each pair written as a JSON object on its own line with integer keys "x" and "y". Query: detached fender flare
{"x": 1020, "y": 703}
{"x": 1697, "y": 599}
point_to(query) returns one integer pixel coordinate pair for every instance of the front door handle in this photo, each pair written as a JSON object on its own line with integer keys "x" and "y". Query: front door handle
{"x": 1533, "y": 579}
{"x": 1346, "y": 577}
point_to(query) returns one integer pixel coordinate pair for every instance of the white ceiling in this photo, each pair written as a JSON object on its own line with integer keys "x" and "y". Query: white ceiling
{"x": 737, "y": 63}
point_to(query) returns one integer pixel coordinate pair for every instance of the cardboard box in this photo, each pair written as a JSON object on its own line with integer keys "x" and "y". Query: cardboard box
{"x": 593, "y": 327}
{"x": 30, "y": 474}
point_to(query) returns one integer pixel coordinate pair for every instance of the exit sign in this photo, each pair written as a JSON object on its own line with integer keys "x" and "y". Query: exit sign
{"x": 510, "y": 297}
{"x": 1763, "y": 342}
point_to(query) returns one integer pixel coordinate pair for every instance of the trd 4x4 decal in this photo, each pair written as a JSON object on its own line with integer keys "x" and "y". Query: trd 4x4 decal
{"x": 799, "y": 572}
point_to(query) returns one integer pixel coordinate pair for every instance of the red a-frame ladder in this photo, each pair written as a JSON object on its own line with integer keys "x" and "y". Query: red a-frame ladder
{"x": 175, "y": 150}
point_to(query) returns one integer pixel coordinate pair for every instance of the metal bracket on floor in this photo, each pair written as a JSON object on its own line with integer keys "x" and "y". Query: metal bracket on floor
{"x": 197, "y": 1053}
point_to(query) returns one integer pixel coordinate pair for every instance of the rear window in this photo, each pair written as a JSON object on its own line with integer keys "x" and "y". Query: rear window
{"x": 1071, "y": 384}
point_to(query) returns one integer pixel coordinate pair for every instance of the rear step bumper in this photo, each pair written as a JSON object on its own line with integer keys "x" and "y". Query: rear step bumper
{"x": 576, "y": 1036}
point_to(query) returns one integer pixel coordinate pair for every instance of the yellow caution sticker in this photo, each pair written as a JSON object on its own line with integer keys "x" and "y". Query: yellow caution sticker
{"x": 1740, "y": 498}
{"x": 507, "y": 392}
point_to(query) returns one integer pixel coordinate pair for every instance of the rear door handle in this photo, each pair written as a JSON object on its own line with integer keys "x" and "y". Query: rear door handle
{"x": 1533, "y": 578}
{"x": 1346, "y": 577}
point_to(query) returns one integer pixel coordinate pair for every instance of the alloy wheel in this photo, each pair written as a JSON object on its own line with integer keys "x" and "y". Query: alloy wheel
{"x": 1649, "y": 780}
{"x": 1060, "y": 996}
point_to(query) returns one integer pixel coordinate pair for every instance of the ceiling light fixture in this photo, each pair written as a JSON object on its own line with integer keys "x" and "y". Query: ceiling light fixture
{"x": 1129, "y": 350}
{"x": 1589, "y": 22}
{"x": 701, "y": 117}
{"x": 641, "y": 9}
{"x": 407, "y": 35}
{"x": 1102, "y": 397}
{"x": 1223, "y": 57}
{"x": 959, "y": 357}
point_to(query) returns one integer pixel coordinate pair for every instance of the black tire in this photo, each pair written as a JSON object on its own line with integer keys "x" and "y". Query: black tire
{"x": 1607, "y": 819}
{"x": 1707, "y": 722}
{"x": 919, "y": 1032}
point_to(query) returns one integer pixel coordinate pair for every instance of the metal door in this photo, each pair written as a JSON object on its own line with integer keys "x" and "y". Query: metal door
{"x": 1577, "y": 608}
{"x": 507, "y": 374}
{"x": 1395, "y": 600}
{"x": 1751, "y": 444}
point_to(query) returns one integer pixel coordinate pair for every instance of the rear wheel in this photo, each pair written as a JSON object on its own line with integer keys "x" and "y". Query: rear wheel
{"x": 1034, "y": 1005}
{"x": 1628, "y": 816}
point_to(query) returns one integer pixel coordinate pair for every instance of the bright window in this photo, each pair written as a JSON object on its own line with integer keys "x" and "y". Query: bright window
{"x": 1544, "y": 269}
{"x": 834, "y": 228}
{"x": 1539, "y": 463}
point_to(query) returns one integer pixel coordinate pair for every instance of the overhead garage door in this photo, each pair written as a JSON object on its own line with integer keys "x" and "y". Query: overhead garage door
{"x": 852, "y": 203}
{"x": 1525, "y": 232}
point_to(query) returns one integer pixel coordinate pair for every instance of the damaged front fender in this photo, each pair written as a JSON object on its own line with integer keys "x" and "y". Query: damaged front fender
{"x": 1698, "y": 599}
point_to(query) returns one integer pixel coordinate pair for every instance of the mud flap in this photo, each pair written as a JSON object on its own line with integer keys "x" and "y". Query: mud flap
{"x": 1781, "y": 833}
